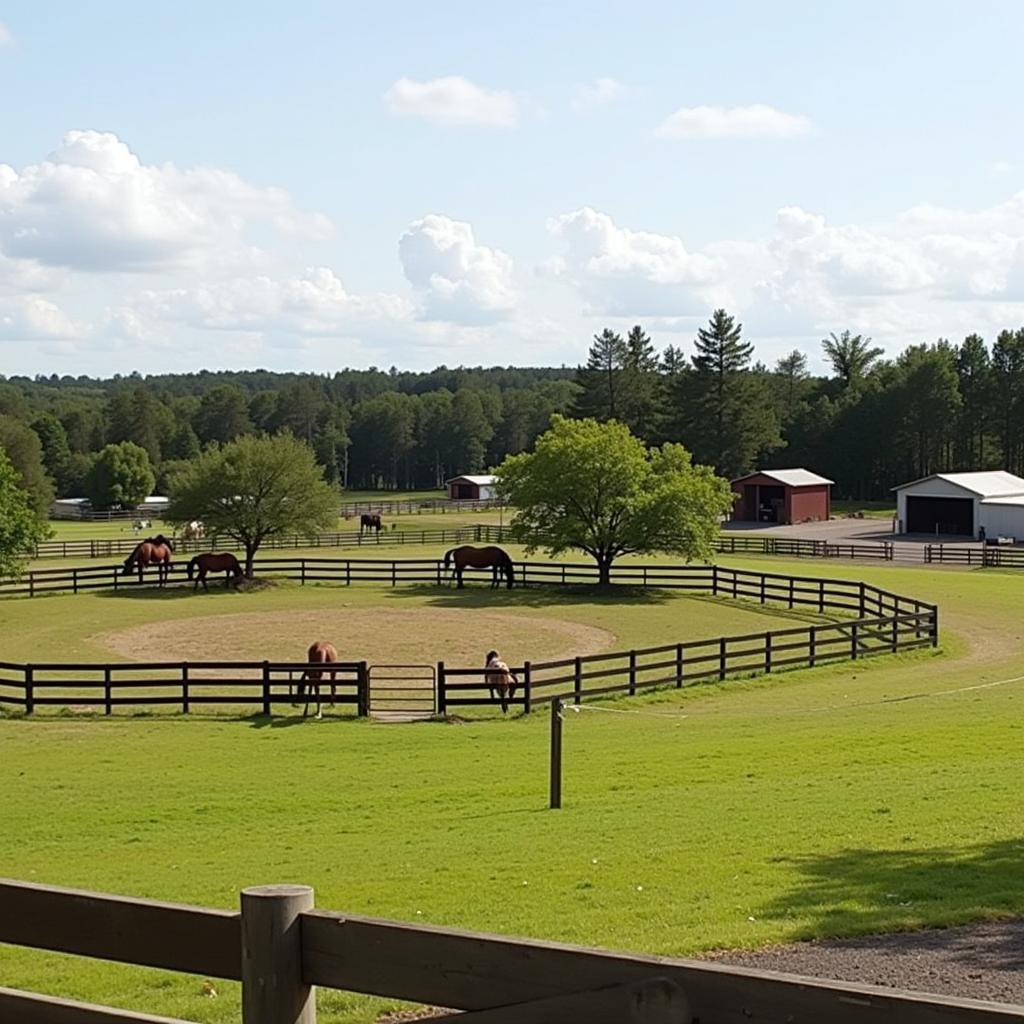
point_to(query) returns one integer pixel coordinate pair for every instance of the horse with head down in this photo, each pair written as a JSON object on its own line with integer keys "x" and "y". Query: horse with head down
{"x": 156, "y": 551}
{"x": 468, "y": 557}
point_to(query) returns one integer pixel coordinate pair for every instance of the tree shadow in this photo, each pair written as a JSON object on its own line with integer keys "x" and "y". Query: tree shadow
{"x": 173, "y": 592}
{"x": 484, "y": 596}
{"x": 861, "y": 892}
{"x": 288, "y": 721}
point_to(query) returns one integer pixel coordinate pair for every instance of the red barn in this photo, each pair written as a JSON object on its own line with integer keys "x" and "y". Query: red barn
{"x": 783, "y": 496}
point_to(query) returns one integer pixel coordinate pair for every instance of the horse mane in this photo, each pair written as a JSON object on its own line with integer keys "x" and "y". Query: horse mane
{"x": 491, "y": 655}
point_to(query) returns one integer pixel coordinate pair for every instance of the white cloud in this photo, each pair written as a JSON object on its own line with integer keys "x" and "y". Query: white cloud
{"x": 1001, "y": 167}
{"x": 31, "y": 318}
{"x": 755, "y": 121}
{"x": 93, "y": 205}
{"x": 457, "y": 279}
{"x": 598, "y": 93}
{"x": 6, "y": 39}
{"x": 453, "y": 100}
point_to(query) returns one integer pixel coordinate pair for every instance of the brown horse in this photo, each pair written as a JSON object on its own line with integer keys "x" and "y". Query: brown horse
{"x": 209, "y": 561}
{"x": 319, "y": 653}
{"x": 369, "y": 521}
{"x": 469, "y": 557}
{"x": 499, "y": 677}
{"x": 152, "y": 551}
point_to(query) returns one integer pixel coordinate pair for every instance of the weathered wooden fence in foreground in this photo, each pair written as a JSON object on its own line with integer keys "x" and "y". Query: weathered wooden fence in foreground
{"x": 877, "y": 622}
{"x": 280, "y": 947}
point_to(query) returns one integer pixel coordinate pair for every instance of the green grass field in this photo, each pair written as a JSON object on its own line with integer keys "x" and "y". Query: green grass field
{"x": 809, "y": 803}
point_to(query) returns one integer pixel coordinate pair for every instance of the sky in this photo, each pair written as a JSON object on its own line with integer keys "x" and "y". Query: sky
{"x": 317, "y": 185}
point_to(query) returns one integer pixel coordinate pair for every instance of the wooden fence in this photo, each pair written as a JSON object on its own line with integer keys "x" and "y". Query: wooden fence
{"x": 280, "y": 947}
{"x": 263, "y": 685}
{"x": 418, "y": 506}
{"x": 877, "y": 622}
{"x": 991, "y": 555}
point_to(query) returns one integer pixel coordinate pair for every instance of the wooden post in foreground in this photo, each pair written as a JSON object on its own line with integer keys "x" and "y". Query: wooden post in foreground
{"x": 555, "y": 788}
{"x": 273, "y": 991}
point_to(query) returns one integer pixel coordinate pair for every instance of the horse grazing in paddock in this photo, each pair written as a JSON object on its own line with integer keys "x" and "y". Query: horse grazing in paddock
{"x": 469, "y": 557}
{"x": 156, "y": 551}
{"x": 319, "y": 653}
{"x": 194, "y": 530}
{"x": 210, "y": 561}
{"x": 370, "y": 521}
{"x": 499, "y": 677}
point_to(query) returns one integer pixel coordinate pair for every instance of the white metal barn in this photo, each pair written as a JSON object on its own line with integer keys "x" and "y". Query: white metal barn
{"x": 967, "y": 504}
{"x": 472, "y": 488}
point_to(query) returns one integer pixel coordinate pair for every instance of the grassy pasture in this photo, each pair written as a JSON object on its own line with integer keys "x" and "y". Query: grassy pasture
{"x": 810, "y": 803}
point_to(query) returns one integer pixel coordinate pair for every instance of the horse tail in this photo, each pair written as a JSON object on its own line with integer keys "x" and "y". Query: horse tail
{"x": 509, "y": 566}
{"x": 448, "y": 555}
{"x": 192, "y": 566}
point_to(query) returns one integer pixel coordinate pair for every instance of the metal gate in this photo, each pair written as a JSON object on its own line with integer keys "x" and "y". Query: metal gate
{"x": 403, "y": 693}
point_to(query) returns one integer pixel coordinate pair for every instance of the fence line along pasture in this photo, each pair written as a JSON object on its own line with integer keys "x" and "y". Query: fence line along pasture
{"x": 879, "y": 622}
{"x": 990, "y": 555}
{"x": 279, "y": 947}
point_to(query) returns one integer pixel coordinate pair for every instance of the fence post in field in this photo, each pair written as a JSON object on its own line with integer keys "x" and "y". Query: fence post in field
{"x": 555, "y": 781}
{"x": 721, "y": 658}
{"x": 935, "y": 626}
{"x": 302, "y": 572}
{"x": 363, "y": 694}
{"x": 273, "y": 991}
{"x": 632, "y": 673}
{"x": 74, "y": 580}
{"x": 107, "y": 703}
{"x": 821, "y": 596}
{"x": 266, "y": 687}
{"x": 30, "y": 702}
{"x": 31, "y": 584}
{"x": 863, "y": 605}
{"x": 895, "y": 630}
{"x": 577, "y": 680}
{"x": 679, "y": 666}
{"x": 762, "y": 588}
{"x": 853, "y": 642}
{"x": 442, "y": 696}
{"x": 767, "y": 652}
{"x": 812, "y": 643}
{"x": 527, "y": 700}
{"x": 714, "y": 580}
{"x": 184, "y": 687}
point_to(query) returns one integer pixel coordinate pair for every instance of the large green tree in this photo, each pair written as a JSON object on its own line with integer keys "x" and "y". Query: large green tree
{"x": 223, "y": 414}
{"x": 600, "y": 380}
{"x": 120, "y": 475}
{"x": 851, "y": 356}
{"x": 253, "y": 488}
{"x": 22, "y": 446}
{"x": 596, "y": 488}
{"x": 21, "y": 528}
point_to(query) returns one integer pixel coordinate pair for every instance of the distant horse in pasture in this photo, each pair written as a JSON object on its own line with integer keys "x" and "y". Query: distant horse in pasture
{"x": 138, "y": 525}
{"x": 469, "y": 557}
{"x": 156, "y": 551}
{"x": 370, "y": 521}
{"x": 499, "y": 677}
{"x": 319, "y": 653}
{"x": 194, "y": 530}
{"x": 209, "y": 561}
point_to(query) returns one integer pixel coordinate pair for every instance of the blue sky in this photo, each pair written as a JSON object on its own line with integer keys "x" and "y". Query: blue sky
{"x": 316, "y": 185}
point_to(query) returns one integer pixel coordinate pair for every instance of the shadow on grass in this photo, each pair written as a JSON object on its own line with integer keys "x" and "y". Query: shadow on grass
{"x": 860, "y": 892}
{"x": 532, "y": 597}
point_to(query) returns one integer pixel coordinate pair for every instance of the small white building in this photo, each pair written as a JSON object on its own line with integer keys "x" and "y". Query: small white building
{"x": 989, "y": 504}
{"x": 472, "y": 488}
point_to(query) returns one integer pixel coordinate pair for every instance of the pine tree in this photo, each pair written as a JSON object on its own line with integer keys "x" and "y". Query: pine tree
{"x": 974, "y": 371}
{"x": 851, "y": 356}
{"x": 600, "y": 379}
{"x": 639, "y": 385}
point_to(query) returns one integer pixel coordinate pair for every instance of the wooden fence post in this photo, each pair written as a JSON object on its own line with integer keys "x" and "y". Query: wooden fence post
{"x": 555, "y": 782}
{"x": 853, "y": 642}
{"x": 266, "y": 687}
{"x": 714, "y": 580}
{"x": 577, "y": 681}
{"x": 791, "y": 581}
{"x": 107, "y": 703}
{"x": 527, "y": 698}
{"x": 863, "y": 601}
{"x": 30, "y": 702}
{"x": 363, "y": 693}
{"x": 184, "y": 687}
{"x": 935, "y": 626}
{"x": 632, "y": 673}
{"x": 895, "y": 630}
{"x": 442, "y": 694}
{"x": 721, "y": 658}
{"x": 273, "y": 991}
{"x": 679, "y": 666}
{"x": 812, "y": 643}
{"x": 821, "y": 596}
{"x": 767, "y": 652}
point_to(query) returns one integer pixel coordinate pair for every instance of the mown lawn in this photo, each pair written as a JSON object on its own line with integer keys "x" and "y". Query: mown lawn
{"x": 810, "y": 803}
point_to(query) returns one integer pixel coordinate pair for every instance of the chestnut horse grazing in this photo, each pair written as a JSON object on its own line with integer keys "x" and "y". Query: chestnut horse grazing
{"x": 152, "y": 551}
{"x": 469, "y": 557}
{"x": 210, "y": 561}
{"x": 500, "y": 677}
{"x": 319, "y": 653}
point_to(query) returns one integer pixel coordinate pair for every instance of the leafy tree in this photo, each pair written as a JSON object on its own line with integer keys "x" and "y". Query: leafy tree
{"x": 725, "y": 414}
{"x": 253, "y": 488}
{"x": 851, "y": 356}
{"x": 120, "y": 475}
{"x": 22, "y": 446}
{"x": 599, "y": 380}
{"x": 135, "y": 414}
{"x": 21, "y": 528}
{"x": 596, "y": 488}
{"x": 223, "y": 414}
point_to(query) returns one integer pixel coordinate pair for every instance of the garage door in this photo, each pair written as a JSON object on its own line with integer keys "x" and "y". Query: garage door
{"x": 942, "y": 515}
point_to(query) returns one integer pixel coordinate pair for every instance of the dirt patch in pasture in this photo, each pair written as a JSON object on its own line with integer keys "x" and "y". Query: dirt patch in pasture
{"x": 378, "y": 635}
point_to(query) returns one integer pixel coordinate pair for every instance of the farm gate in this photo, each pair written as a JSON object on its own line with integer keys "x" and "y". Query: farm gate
{"x": 402, "y": 693}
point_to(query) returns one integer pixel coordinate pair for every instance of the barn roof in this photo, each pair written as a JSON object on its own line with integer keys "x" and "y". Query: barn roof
{"x": 481, "y": 481}
{"x": 989, "y": 484}
{"x": 790, "y": 477}
{"x": 1005, "y": 499}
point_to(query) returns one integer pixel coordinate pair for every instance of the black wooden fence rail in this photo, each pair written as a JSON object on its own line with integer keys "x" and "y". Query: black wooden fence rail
{"x": 991, "y": 555}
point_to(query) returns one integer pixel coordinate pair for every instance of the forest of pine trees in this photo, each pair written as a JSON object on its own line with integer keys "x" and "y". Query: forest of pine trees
{"x": 869, "y": 424}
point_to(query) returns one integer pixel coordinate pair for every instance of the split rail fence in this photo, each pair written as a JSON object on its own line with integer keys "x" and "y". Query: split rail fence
{"x": 874, "y": 621}
{"x": 991, "y": 555}
{"x": 279, "y": 946}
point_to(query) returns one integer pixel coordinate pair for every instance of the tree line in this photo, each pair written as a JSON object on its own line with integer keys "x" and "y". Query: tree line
{"x": 869, "y": 423}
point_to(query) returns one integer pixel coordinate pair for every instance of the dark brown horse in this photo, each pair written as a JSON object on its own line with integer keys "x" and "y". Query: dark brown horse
{"x": 499, "y": 677}
{"x": 469, "y": 557}
{"x": 156, "y": 551}
{"x": 369, "y": 521}
{"x": 319, "y": 653}
{"x": 210, "y": 561}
